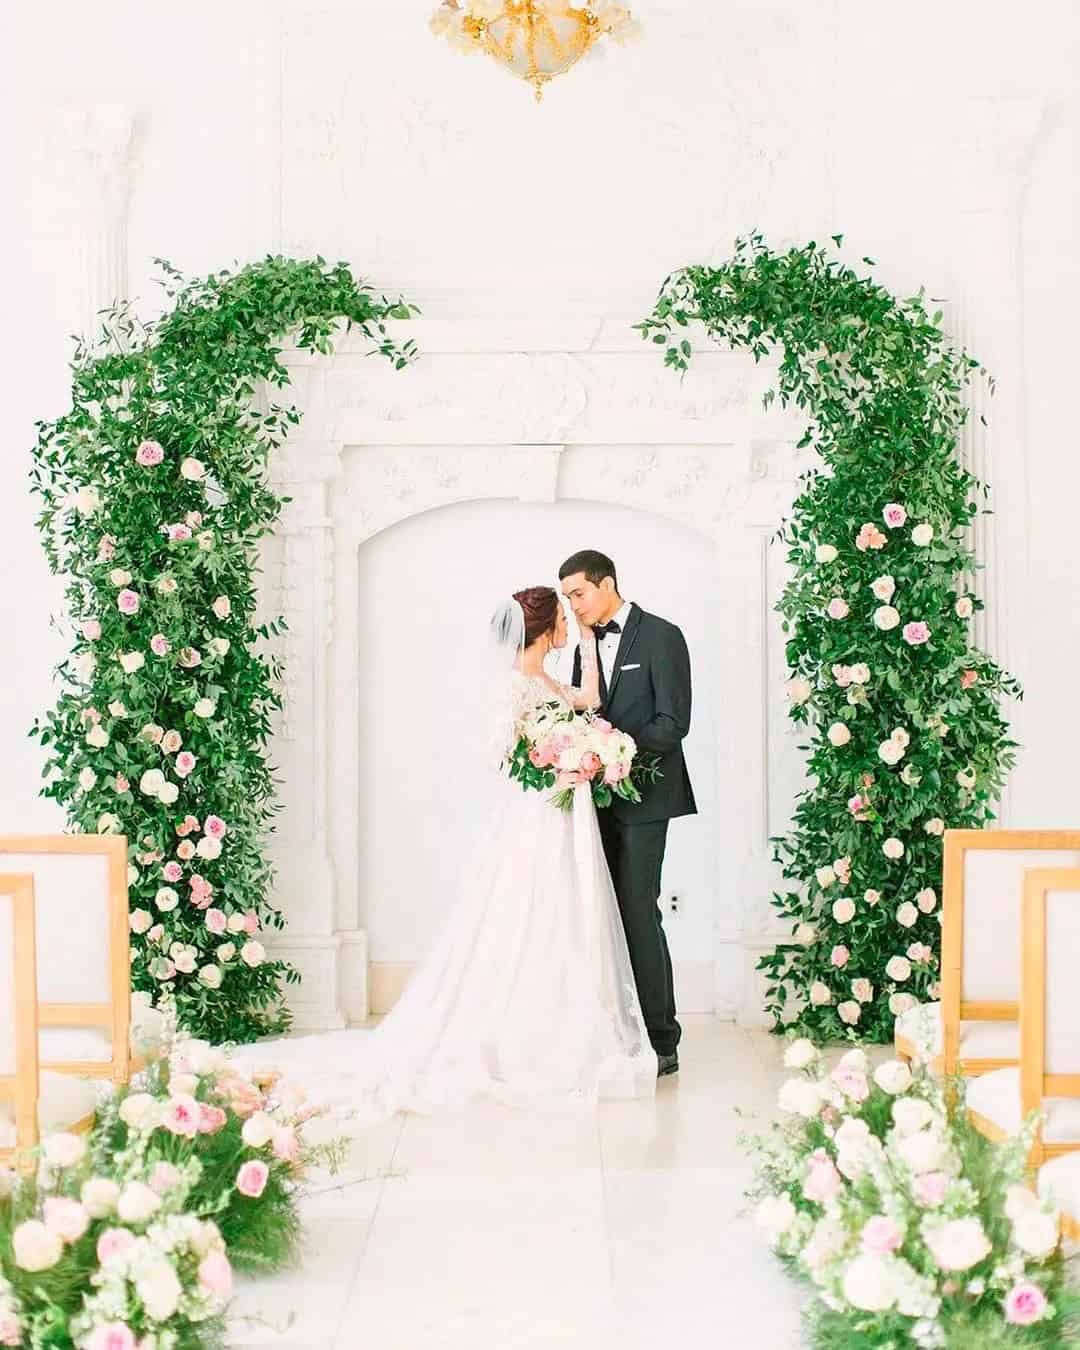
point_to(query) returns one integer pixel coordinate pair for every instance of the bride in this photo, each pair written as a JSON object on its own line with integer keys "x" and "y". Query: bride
{"x": 527, "y": 993}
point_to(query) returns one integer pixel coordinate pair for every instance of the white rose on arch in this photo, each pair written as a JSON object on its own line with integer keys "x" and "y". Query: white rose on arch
{"x": 843, "y": 910}
{"x": 839, "y": 734}
{"x": 192, "y": 469}
{"x": 893, "y": 848}
{"x": 898, "y": 968}
{"x": 886, "y": 618}
{"x": 798, "y": 690}
{"x": 922, "y": 535}
{"x": 825, "y": 553}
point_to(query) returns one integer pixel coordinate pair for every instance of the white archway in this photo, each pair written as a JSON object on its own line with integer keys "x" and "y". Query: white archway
{"x": 478, "y": 420}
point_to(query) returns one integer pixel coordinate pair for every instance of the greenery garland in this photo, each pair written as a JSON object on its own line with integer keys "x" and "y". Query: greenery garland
{"x": 903, "y": 712}
{"x": 156, "y": 495}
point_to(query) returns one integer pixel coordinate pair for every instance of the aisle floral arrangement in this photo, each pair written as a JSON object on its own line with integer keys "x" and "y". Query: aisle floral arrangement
{"x": 913, "y": 1229}
{"x": 127, "y": 1239}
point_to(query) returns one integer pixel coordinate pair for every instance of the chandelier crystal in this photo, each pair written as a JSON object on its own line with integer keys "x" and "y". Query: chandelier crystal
{"x": 534, "y": 39}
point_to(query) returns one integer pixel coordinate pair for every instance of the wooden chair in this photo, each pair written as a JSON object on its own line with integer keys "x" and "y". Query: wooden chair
{"x": 975, "y": 1028}
{"x": 31, "y": 1102}
{"x": 83, "y": 961}
{"x": 1048, "y": 1077}
{"x": 18, "y": 1018}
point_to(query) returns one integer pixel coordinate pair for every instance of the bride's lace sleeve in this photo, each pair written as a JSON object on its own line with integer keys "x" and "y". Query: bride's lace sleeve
{"x": 587, "y": 696}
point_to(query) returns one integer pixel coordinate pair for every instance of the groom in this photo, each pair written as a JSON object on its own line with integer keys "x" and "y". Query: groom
{"x": 644, "y": 691}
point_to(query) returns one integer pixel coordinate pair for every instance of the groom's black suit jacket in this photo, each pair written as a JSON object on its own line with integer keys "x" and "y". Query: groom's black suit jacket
{"x": 649, "y": 698}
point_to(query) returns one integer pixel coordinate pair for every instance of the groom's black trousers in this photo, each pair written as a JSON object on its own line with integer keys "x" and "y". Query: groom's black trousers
{"x": 635, "y": 855}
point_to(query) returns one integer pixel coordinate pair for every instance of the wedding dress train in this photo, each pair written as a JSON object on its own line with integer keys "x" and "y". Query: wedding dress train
{"x": 526, "y": 994}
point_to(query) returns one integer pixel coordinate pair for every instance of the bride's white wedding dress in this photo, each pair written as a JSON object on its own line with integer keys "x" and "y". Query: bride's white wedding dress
{"x": 527, "y": 992}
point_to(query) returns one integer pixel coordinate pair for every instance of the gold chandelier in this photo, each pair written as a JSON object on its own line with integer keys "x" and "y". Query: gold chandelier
{"x": 534, "y": 39}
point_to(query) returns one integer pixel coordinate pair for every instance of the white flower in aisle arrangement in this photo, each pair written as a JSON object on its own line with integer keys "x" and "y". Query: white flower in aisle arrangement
{"x": 908, "y": 1225}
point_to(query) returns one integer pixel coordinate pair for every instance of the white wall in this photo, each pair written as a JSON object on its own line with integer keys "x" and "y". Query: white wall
{"x": 942, "y": 140}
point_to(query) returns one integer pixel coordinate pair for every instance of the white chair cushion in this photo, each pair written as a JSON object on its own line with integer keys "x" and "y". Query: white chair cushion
{"x": 94, "y": 1045}
{"x": 65, "y": 1099}
{"x": 996, "y": 1096}
{"x": 1059, "y": 1182}
{"x": 978, "y": 1040}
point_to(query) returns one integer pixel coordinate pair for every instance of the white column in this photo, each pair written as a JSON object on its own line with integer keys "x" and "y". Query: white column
{"x": 990, "y": 184}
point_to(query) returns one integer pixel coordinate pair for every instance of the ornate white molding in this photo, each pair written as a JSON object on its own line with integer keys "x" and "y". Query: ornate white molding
{"x": 82, "y": 181}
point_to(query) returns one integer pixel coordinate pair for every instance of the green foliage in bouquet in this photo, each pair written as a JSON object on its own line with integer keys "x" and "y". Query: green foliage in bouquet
{"x": 156, "y": 494}
{"x": 905, "y": 732}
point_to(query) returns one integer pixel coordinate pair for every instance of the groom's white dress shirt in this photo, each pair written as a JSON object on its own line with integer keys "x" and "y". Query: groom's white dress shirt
{"x": 608, "y": 647}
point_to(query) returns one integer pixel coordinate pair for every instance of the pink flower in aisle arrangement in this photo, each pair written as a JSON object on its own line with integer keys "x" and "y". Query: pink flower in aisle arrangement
{"x": 823, "y": 1181}
{"x": 852, "y": 1082}
{"x": 149, "y": 454}
{"x": 114, "y": 1242}
{"x": 111, "y": 1336}
{"x": 211, "y": 1118}
{"x": 880, "y": 1235}
{"x": 181, "y": 1115}
{"x": 215, "y": 1275}
{"x": 929, "y": 1189}
{"x": 915, "y": 634}
{"x": 1025, "y": 1304}
{"x": 251, "y": 1178}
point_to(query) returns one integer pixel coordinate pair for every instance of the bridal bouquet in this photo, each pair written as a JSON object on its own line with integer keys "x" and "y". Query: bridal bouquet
{"x": 560, "y": 749}
{"x": 914, "y": 1228}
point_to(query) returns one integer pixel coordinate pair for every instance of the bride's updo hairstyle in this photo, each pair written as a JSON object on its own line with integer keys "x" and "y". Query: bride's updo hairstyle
{"x": 541, "y": 607}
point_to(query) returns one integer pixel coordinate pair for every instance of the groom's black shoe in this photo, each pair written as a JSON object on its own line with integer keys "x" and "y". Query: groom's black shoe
{"x": 666, "y": 1064}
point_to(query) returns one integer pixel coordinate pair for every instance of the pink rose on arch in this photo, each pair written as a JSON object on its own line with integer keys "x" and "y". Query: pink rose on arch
{"x": 857, "y": 805}
{"x": 148, "y": 454}
{"x": 838, "y": 608}
{"x": 822, "y": 1180}
{"x": 194, "y": 519}
{"x": 1024, "y": 1304}
{"x": 127, "y": 602}
{"x": 190, "y": 657}
{"x": 185, "y": 762}
{"x": 122, "y": 783}
{"x": 895, "y": 515}
{"x": 968, "y": 678}
{"x": 216, "y": 826}
{"x": 159, "y": 644}
{"x": 211, "y": 1118}
{"x": 189, "y": 825}
{"x": 870, "y": 537}
{"x": 178, "y": 533}
{"x": 915, "y": 634}
{"x": 91, "y": 630}
{"x": 840, "y": 957}
{"x": 251, "y": 923}
{"x": 185, "y": 850}
{"x": 216, "y": 921}
{"x": 880, "y": 1235}
{"x": 172, "y": 871}
{"x": 251, "y": 1178}
{"x": 106, "y": 548}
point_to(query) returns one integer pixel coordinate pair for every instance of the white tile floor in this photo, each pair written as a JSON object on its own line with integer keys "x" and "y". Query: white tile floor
{"x": 501, "y": 1230}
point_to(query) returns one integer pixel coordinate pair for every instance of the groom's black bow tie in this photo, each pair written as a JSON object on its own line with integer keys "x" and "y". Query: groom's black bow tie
{"x": 603, "y": 629}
